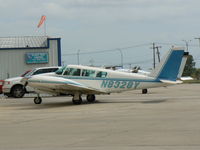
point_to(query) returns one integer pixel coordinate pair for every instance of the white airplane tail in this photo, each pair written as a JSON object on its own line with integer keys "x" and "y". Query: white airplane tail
{"x": 171, "y": 65}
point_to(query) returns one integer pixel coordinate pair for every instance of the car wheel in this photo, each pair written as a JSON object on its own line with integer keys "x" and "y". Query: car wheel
{"x": 18, "y": 91}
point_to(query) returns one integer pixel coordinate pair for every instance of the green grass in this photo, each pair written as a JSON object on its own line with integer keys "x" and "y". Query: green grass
{"x": 191, "y": 81}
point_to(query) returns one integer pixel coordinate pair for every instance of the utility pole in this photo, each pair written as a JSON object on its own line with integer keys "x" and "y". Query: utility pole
{"x": 187, "y": 43}
{"x": 154, "y": 58}
{"x": 122, "y": 63}
{"x": 78, "y": 52}
{"x": 154, "y": 54}
{"x": 158, "y": 53}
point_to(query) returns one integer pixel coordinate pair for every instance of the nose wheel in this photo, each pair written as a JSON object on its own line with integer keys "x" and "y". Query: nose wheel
{"x": 38, "y": 100}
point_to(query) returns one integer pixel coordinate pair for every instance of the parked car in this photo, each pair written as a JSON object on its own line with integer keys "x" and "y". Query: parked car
{"x": 12, "y": 87}
{"x": 1, "y": 84}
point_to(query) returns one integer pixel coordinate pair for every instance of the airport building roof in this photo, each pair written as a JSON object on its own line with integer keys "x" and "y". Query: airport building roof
{"x": 23, "y": 42}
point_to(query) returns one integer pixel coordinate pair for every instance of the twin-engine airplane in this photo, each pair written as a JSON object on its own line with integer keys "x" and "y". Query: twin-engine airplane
{"x": 78, "y": 80}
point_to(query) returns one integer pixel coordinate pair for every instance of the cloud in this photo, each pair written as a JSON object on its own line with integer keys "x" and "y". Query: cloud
{"x": 112, "y": 10}
{"x": 100, "y": 10}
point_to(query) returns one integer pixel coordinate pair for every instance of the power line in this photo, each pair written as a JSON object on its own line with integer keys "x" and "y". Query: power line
{"x": 125, "y": 48}
{"x": 179, "y": 44}
{"x": 139, "y": 62}
{"x": 108, "y": 50}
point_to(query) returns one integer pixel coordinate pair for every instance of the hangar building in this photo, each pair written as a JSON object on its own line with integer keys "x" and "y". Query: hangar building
{"x": 19, "y": 54}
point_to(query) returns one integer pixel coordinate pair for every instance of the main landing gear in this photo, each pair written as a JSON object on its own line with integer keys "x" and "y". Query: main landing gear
{"x": 77, "y": 100}
{"x": 91, "y": 98}
{"x": 144, "y": 91}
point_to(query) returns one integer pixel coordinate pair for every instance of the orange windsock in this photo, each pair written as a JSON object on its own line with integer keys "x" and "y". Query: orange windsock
{"x": 42, "y": 20}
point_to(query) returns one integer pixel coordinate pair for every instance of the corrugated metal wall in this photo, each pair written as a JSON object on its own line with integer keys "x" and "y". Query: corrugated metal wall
{"x": 12, "y": 62}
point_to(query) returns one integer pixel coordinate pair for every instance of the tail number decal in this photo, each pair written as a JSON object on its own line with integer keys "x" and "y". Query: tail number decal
{"x": 119, "y": 84}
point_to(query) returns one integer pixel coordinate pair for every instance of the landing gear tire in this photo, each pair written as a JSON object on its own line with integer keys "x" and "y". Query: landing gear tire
{"x": 77, "y": 101}
{"x": 144, "y": 91}
{"x": 91, "y": 98}
{"x": 18, "y": 91}
{"x": 37, "y": 100}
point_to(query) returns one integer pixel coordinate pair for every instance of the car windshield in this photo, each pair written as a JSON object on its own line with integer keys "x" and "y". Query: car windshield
{"x": 24, "y": 74}
{"x": 30, "y": 73}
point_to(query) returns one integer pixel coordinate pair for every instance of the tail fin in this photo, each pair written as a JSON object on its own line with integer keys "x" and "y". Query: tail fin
{"x": 169, "y": 67}
{"x": 183, "y": 64}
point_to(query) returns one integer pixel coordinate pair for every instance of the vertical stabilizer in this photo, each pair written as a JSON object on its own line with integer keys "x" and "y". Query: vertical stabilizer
{"x": 170, "y": 65}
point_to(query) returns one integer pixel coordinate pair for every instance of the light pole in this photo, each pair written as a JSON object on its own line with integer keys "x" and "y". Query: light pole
{"x": 78, "y": 52}
{"x": 121, "y": 56}
{"x": 186, "y": 43}
{"x": 198, "y": 39}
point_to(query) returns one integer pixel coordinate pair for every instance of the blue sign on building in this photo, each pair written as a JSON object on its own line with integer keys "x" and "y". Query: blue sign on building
{"x": 37, "y": 58}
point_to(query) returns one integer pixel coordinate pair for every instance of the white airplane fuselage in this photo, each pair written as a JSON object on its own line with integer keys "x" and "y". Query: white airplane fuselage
{"x": 114, "y": 82}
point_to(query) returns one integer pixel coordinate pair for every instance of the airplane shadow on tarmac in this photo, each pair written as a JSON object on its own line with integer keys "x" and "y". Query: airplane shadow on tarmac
{"x": 49, "y": 105}
{"x": 135, "y": 101}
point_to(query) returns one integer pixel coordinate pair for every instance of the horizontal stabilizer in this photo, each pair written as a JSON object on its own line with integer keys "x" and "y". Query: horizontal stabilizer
{"x": 186, "y": 78}
{"x": 171, "y": 82}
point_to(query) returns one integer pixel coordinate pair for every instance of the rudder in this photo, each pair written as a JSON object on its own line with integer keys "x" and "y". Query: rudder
{"x": 169, "y": 67}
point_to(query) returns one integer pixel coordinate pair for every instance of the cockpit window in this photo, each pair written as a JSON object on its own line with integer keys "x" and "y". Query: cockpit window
{"x": 88, "y": 73}
{"x": 101, "y": 74}
{"x": 72, "y": 72}
{"x": 60, "y": 71}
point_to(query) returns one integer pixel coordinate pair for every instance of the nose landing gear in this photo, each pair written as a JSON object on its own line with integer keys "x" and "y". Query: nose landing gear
{"x": 38, "y": 99}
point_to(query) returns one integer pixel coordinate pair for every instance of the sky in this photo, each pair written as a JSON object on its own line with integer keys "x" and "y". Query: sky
{"x": 93, "y": 28}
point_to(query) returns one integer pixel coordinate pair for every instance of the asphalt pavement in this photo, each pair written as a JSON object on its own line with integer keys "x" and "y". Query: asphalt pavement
{"x": 165, "y": 118}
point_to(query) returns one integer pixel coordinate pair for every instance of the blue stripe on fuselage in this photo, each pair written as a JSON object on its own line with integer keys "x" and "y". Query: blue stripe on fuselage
{"x": 115, "y": 79}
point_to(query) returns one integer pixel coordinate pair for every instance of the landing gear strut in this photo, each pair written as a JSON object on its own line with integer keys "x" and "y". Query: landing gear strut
{"x": 38, "y": 99}
{"x": 91, "y": 98}
{"x": 77, "y": 100}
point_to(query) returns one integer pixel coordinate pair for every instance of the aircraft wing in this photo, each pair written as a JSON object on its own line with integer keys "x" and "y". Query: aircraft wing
{"x": 52, "y": 84}
{"x": 72, "y": 86}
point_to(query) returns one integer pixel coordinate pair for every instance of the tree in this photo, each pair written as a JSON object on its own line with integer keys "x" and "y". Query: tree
{"x": 196, "y": 74}
{"x": 189, "y": 69}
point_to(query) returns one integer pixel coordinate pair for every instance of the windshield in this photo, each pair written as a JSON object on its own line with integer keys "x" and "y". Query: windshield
{"x": 24, "y": 74}
{"x": 29, "y": 73}
{"x": 60, "y": 71}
